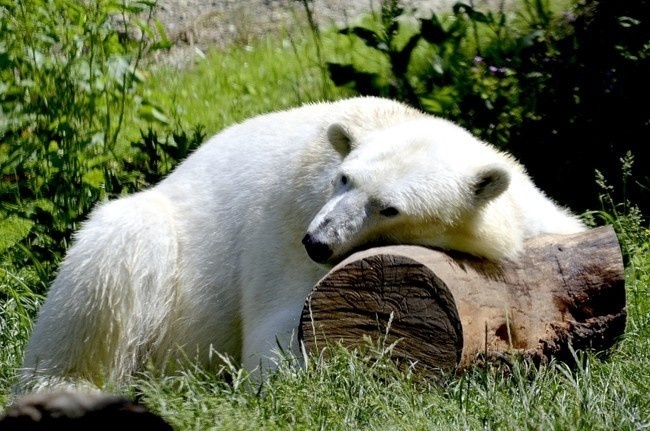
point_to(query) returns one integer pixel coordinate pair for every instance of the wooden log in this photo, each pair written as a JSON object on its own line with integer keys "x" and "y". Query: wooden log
{"x": 445, "y": 309}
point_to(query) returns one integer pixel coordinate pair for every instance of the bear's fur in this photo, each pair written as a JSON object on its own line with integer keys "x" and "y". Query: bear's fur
{"x": 210, "y": 260}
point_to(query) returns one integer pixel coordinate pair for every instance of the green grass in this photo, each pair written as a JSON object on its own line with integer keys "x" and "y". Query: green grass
{"x": 228, "y": 86}
{"x": 349, "y": 391}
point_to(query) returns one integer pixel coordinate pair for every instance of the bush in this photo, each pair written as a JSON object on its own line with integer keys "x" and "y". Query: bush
{"x": 589, "y": 93}
{"x": 564, "y": 93}
{"x": 69, "y": 74}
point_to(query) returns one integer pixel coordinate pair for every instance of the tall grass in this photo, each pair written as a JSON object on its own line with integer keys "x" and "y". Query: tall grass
{"x": 349, "y": 392}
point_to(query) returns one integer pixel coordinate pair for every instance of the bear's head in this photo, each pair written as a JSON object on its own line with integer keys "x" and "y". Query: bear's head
{"x": 421, "y": 182}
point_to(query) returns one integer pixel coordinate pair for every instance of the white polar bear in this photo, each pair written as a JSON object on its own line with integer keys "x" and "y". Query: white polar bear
{"x": 211, "y": 258}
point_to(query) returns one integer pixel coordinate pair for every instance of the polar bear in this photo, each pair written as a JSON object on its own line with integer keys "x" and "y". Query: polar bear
{"x": 220, "y": 255}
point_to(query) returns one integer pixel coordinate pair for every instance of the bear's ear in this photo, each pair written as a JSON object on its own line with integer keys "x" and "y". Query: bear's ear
{"x": 490, "y": 182}
{"x": 340, "y": 138}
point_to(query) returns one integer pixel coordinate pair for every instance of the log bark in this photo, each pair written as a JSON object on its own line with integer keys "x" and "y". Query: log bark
{"x": 443, "y": 310}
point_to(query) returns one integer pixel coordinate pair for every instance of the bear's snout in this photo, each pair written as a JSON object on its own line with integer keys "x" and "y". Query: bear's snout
{"x": 317, "y": 251}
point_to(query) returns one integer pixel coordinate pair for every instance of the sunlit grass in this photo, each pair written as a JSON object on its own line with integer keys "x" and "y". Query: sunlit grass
{"x": 349, "y": 391}
{"x": 227, "y": 86}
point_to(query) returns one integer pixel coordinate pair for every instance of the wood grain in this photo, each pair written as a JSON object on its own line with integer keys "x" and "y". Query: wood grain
{"x": 447, "y": 308}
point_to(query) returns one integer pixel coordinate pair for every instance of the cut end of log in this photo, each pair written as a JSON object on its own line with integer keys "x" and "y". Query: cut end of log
{"x": 442, "y": 310}
{"x": 390, "y": 298}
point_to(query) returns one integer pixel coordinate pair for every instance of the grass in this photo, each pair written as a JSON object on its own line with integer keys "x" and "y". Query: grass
{"x": 229, "y": 85}
{"x": 349, "y": 391}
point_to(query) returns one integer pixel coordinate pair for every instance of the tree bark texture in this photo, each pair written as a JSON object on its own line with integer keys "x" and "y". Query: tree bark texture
{"x": 443, "y": 310}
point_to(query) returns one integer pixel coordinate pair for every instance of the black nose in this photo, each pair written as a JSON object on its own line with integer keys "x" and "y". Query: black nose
{"x": 317, "y": 251}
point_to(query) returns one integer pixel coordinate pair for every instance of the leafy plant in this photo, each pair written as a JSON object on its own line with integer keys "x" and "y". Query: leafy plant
{"x": 68, "y": 73}
{"x": 560, "y": 91}
{"x": 444, "y": 66}
{"x": 383, "y": 39}
{"x": 156, "y": 157}
{"x": 584, "y": 87}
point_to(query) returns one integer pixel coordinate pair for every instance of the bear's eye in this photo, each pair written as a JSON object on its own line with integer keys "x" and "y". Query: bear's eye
{"x": 389, "y": 212}
{"x": 344, "y": 179}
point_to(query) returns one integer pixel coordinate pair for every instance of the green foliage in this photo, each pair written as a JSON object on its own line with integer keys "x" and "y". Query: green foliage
{"x": 590, "y": 104}
{"x": 155, "y": 157}
{"x": 561, "y": 91}
{"x": 444, "y": 66}
{"x": 384, "y": 39}
{"x": 18, "y": 307}
{"x": 68, "y": 73}
{"x": 350, "y": 390}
